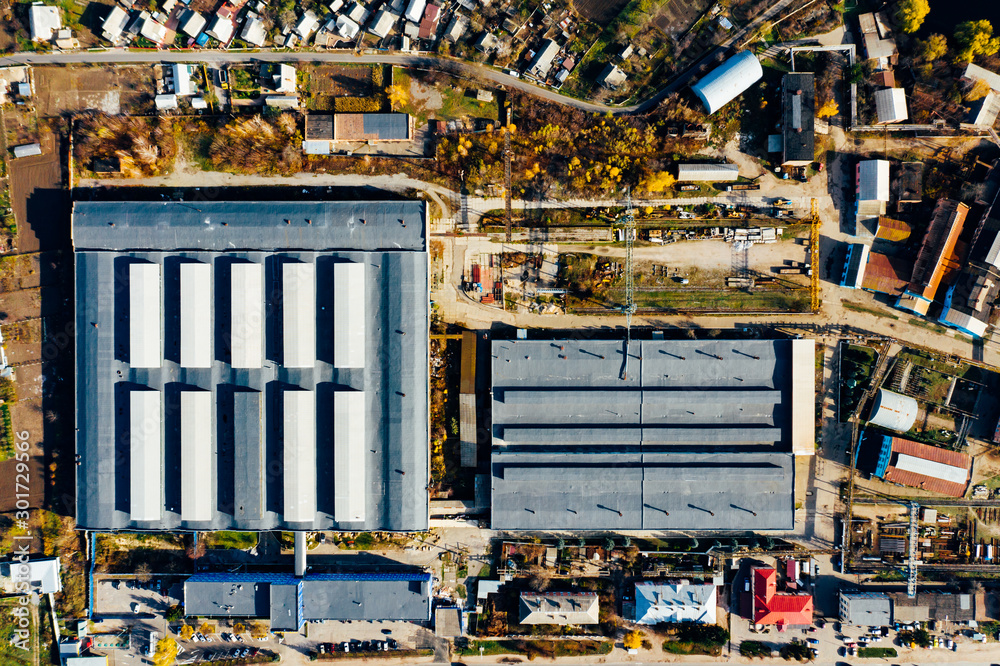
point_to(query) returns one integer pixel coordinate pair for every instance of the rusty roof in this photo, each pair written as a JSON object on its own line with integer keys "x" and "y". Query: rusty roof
{"x": 892, "y": 230}
{"x": 885, "y": 274}
{"x": 933, "y": 454}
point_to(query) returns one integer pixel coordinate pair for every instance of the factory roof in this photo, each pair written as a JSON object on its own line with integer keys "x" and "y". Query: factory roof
{"x": 371, "y": 127}
{"x": 885, "y": 274}
{"x": 562, "y": 608}
{"x": 873, "y": 180}
{"x": 319, "y": 127}
{"x": 854, "y": 266}
{"x": 189, "y": 367}
{"x": 895, "y": 231}
{"x": 700, "y": 435}
{"x": 935, "y": 606}
{"x": 937, "y": 254}
{"x": 928, "y": 467}
{"x": 728, "y": 81}
{"x": 683, "y": 602}
{"x": 228, "y": 226}
{"x": 798, "y": 118}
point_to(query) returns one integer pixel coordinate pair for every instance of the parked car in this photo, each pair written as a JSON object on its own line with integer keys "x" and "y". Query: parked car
{"x": 813, "y": 641}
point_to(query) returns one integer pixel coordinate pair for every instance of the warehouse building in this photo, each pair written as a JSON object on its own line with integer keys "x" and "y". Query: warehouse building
{"x": 865, "y": 609}
{"x": 798, "y": 96}
{"x": 890, "y": 105}
{"x": 718, "y": 173}
{"x": 912, "y": 464}
{"x": 263, "y": 365}
{"x": 939, "y": 254}
{"x": 289, "y": 602}
{"x": 560, "y": 608}
{"x": 728, "y": 81}
{"x": 701, "y": 435}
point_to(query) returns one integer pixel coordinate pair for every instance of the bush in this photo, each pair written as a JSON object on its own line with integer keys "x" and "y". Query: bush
{"x": 753, "y": 649}
{"x": 357, "y": 104}
{"x": 797, "y": 651}
{"x": 709, "y": 635}
{"x": 876, "y": 652}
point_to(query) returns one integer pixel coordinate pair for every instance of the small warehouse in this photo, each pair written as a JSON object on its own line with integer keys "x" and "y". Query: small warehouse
{"x": 372, "y": 127}
{"x": 708, "y": 172}
{"x": 728, "y": 81}
{"x": 915, "y": 465}
{"x": 894, "y": 411}
{"x": 798, "y": 94}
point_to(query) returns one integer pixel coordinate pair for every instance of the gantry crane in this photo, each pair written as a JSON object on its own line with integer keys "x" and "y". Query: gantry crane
{"x": 629, "y": 306}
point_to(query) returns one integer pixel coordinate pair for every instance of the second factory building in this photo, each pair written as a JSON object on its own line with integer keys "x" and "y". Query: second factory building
{"x": 700, "y": 435}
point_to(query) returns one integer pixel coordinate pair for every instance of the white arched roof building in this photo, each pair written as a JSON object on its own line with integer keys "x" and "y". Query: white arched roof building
{"x": 894, "y": 411}
{"x": 728, "y": 80}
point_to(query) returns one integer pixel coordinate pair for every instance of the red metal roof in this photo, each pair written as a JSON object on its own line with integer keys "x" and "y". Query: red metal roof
{"x": 770, "y": 607}
{"x": 886, "y": 275}
{"x": 429, "y": 22}
{"x": 934, "y": 454}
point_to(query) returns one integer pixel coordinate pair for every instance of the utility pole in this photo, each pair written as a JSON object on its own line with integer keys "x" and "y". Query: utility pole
{"x": 629, "y": 307}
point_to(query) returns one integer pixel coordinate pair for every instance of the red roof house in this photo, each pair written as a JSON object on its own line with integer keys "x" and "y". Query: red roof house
{"x": 429, "y": 23}
{"x": 772, "y": 607}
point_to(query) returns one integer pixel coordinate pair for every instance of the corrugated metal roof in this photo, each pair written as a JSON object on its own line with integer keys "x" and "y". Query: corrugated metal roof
{"x": 854, "y": 266}
{"x": 144, "y": 348}
{"x": 299, "y": 445}
{"x": 917, "y": 479}
{"x": 196, "y": 455}
{"x": 890, "y": 105}
{"x": 894, "y": 411}
{"x": 349, "y": 459}
{"x": 728, "y": 81}
{"x": 665, "y": 602}
{"x": 558, "y": 608}
{"x": 886, "y": 275}
{"x": 892, "y": 230}
{"x": 247, "y": 324}
{"x": 977, "y": 73}
{"x": 873, "y": 180}
{"x": 708, "y": 172}
{"x": 196, "y": 320}
{"x": 145, "y": 455}
{"x": 937, "y": 252}
{"x": 298, "y": 313}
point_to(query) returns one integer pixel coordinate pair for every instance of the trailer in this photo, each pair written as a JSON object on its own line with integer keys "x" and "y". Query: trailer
{"x": 742, "y": 186}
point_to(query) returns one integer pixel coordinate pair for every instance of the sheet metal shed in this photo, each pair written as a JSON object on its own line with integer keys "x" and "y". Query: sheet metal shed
{"x": 894, "y": 411}
{"x": 728, "y": 81}
{"x": 708, "y": 172}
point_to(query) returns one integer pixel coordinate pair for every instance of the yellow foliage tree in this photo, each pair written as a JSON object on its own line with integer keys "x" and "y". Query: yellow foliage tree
{"x": 166, "y": 652}
{"x": 398, "y": 95}
{"x": 828, "y": 109}
{"x": 207, "y": 628}
{"x": 633, "y": 640}
{"x": 187, "y": 631}
{"x": 239, "y": 628}
{"x": 911, "y": 14}
{"x": 659, "y": 181}
{"x": 979, "y": 90}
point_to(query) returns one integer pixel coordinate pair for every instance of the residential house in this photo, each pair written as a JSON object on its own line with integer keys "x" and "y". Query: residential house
{"x": 779, "y": 608}
{"x": 253, "y": 31}
{"x": 383, "y": 24}
{"x": 456, "y": 28}
{"x": 487, "y": 43}
{"x": 611, "y": 77}
{"x": 193, "y": 24}
{"x": 222, "y": 29}
{"x": 657, "y": 603}
{"x": 561, "y": 608}
{"x": 347, "y": 28}
{"x": 307, "y": 25}
{"x": 43, "y": 574}
{"x": 153, "y": 31}
{"x": 876, "y": 39}
{"x": 428, "y": 25}
{"x": 183, "y": 86}
{"x": 44, "y": 22}
{"x": 415, "y": 11}
{"x": 358, "y": 13}
{"x": 542, "y": 62}
{"x": 114, "y": 24}
{"x": 284, "y": 78}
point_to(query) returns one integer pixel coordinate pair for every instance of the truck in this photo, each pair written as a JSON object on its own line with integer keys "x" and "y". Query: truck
{"x": 742, "y": 186}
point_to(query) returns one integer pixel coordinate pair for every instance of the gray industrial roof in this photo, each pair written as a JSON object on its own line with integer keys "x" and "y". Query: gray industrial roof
{"x": 866, "y": 609}
{"x": 246, "y": 437}
{"x": 388, "y": 126}
{"x": 699, "y": 435}
{"x": 798, "y": 117}
{"x": 284, "y": 607}
{"x": 367, "y": 599}
{"x": 230, "y": 226}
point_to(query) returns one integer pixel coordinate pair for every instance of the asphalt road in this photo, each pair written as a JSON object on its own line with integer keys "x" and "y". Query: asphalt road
{"x": 460, "y": 68}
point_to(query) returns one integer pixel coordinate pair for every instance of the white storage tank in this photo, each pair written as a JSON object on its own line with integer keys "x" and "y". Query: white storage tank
{"x": 894, "y": 411}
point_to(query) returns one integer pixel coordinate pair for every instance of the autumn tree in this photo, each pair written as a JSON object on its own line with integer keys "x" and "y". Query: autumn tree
{"x": 633, "y": 640}
{"x": 142, "y": 572}
{"x": 978, "y": 90}
{"x": 975, "y": 38}
{"x": 166, "y": 652}
{"x": 911, "y": 14}
{"x": 659, "y": 181}
{"x": 186, "y": 632}
{"x": 932, "y": 48}
{"x": 398, "y": 95}
{"x": 828, "y": 109}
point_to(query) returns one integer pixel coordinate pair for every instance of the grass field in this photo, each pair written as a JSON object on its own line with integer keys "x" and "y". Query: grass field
{"x": 232, "y": 540}
{"x": 537, "y": 648}
{"x": 858, "y": 307}
{"x": 877, "y": 652}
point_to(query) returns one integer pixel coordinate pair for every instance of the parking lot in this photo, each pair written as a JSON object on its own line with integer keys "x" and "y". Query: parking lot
{"x": 122, "y": 598}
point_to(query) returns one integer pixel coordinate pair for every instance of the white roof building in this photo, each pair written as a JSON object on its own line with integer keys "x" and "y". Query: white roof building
{"x": 299, "y": 456}
{"x": 145, "y": 453}
{"x": 144, "y": 316}
{"x": 196, "y": 453}
{"x": 894, "y": 411}
{"x": 153, "y": 31}
{"x": 456, "y": 28}
{"x": 114, "y": 24}
{"x": 221, "y": 29}
{"x": 349, "y": 315}
{"x": 347, "y": 28}
{"x": 284, "y": 79}
{"x": 247, "y": 306}
{"x": 282, "y": 101}
{"x": 707, "y": 172}
{"x": 196, "y": 300}
{"x": 183, "y": 85}
{"x": 358, "y": 13}
{"x": 253, "y": 31}
{"x": 658, "y": 602}
{"x": 890, "y": 105}
{"x": 350, "y": 454}
{"x": 165, "y": 102}
{"x": 611, "y": 77}
{"x": 542, "y": 63}
{"x": 44, "y": 22}
{"x": 415, "y": 11}
{"x": 194, "y": 24}
{"x": 562, "y": 608}
{"x": 728, "y": 81}
{"x": 28, "y": 150}
{"x": 382, "y": 24}
{"x": 298, "y": 303}
{"x": 977, "y": 73}
{"x": 307, "y": 24}
{"x": 42, "y": 575}
{"x": 873, "y": 181}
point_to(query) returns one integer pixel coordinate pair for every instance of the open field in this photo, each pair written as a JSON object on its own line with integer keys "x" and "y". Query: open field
{"x": 114, "y": 90}
{"x": 41, "y": 205}
{"x": 601, "y": 12}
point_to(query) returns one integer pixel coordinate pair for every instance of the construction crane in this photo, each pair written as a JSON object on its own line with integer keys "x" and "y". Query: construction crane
{"x": 629, "y": 306}
{"x": 506, "y": 171}
{"x": 814, "y": 257}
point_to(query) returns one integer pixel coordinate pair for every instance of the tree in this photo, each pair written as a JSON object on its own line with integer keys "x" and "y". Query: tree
{"x": 769, "y": 542}
{"x": 186, "y": 632}
{"x": 975, "y": 38}
{"x": 932, "y": 48}
{"x": 855, "y": 73}
{"x": 797, "y": 651}
{"x": 166, "y": 652}
{"x": 911, "y": 14}
{"x": 659, "y": 181}
{"x": 398, "y": 95}
{"x": 609, "y": 545}
{"x": 978, "y": 90}
{"x": 174, "y": 613}
{"x": 828, "y": 109}
{"x": 633, "y": 640}
{"x": 627, "y": 541}
{"x": 581, "y": 543}
{"x": 734, "y": 543}
{"x": 142, "y": 572}
{"x": 561, "y": 543}
{"x": 206, "y": 628}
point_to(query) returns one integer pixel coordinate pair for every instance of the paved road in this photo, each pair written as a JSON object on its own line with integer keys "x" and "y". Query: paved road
{"x": 425, "y": 61}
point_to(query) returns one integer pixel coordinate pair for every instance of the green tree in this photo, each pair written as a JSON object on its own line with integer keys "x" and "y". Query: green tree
{"x": 855, "y": 73}
{"x": 932, "y": 48}
{"x": 627, "y": 541}
{"x": 609, "y": 544}
{"x": 975, "y": 38}
{"x": 174, "y": 613}
{"x": 911, "y": 14}
{"x": 694, "y": 543}
{"x": 734, "y": 543}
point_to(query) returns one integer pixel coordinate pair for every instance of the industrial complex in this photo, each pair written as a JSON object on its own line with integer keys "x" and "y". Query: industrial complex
{"x": 695, "y": 436}
{"x": 247, "y": 365}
